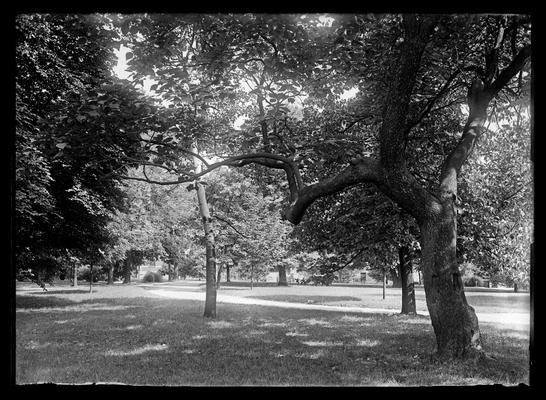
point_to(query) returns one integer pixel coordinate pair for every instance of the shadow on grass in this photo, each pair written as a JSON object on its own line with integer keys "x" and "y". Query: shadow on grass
{"x": 245, "y": 344}
{"x": 306, "y": 299}
{"x": 26, "y": 302}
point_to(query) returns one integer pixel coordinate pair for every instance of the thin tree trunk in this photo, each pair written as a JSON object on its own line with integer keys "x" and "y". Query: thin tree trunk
{"x": 210, "y": 246}
{"x": 90, "y": 278}
{"x": 75, "y": 276}
{"x": 251, "y": 275}
{"x": 406, "y": 276}
{"x": 227, "y": 273}
{"x": 282, "y": 275}
{"x": 453, "y": 319}
{"x": 384, "y": 283}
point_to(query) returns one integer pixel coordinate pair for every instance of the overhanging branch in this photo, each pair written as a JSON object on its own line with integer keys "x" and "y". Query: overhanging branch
{"x": 365, "y": 170}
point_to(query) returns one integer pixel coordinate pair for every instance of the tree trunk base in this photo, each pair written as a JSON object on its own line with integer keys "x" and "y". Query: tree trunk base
{"x": 472, "y": 354}
{"x": 408, "y": 313}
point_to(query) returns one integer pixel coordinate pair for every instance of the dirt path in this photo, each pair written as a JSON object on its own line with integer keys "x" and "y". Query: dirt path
{"x": 513, "y": 320}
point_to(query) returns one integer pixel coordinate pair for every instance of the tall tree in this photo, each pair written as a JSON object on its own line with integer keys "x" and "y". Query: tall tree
{"x": 419, "y": 68}
{"x": 59, "y": 202}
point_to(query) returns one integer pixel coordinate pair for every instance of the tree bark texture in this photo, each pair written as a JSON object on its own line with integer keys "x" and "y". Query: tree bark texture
{"x": 282, "y": 275}
{"x": 454, "y": 321}
{"x": 210, "y": 253}
{"x": 406, "y": 278}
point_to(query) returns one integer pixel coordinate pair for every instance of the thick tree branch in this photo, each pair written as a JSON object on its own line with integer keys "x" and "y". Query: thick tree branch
{"x": 266, "y": 159}
{"x": 366, "y": 170}
{"x": 479, "y": 97}
{"x": 393, "y": 131}
{"x": 478, "y": 100}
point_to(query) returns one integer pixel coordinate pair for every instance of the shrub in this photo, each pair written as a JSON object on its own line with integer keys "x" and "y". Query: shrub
{"x": 152, "y": 277}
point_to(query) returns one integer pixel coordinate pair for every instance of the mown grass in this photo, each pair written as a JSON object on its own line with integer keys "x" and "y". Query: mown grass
{"x": 125, "y": 334}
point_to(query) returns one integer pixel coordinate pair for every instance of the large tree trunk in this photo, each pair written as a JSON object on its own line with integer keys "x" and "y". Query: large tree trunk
{"x": 282, "y": 275}
{"x": 406, "y": 277}
{"x": 227, "y": 273}
{"x": 453, "y": 319}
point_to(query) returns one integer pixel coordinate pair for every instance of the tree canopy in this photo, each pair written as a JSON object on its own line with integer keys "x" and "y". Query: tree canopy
{"x": 409, "y": 156}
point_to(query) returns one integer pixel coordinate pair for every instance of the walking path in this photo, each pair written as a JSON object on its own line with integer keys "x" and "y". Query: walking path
{"x": 515, "y": 320}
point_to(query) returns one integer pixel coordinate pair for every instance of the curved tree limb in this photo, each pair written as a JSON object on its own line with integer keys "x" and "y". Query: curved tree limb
{"x": 479, "y": 97}
{"x": 365, "y": 170}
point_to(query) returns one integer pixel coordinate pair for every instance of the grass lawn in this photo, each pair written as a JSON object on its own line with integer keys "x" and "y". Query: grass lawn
{"x": 127, "y": 334}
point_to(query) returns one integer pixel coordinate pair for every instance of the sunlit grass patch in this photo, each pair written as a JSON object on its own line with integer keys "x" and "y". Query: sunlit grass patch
{"x": 367, "y": 343}
{"x": 322, "y": 344}
{"x": 220, "y": 324}
{"x": 128, "y": 328}
{"x": 315, "y": 321}
{"x": 355, "y": 319}
{"x": 256, "y": 332}
{"x": 296, "y": 334}
{"x": 163, "y": 322}
{"x": 312, "y": 355}
{"x": 272, "y": 324}
{"x": 138, "y": 351}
